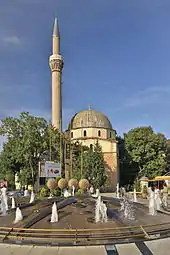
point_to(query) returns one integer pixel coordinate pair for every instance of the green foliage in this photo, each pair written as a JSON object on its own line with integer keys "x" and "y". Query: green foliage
{"x": 137, "y": 186}
{"x": 56, "y": 192}
{"x": 78, "y": 153}
{"x": 144, "y": 192}
{"x": 147, "y": 150}
{"x": 94, "y": 166}
{"x": 43, "y": 192}
{"x": 128, "y": 168}
{"x": 29, "y": 139}
{"x": 80, "y": 192}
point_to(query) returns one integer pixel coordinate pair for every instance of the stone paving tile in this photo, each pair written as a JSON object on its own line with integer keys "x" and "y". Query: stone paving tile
{"x": 159, "y": 247}
{"x": 82, "y": 250}
{"x": 14, "y": 249}
{"x": 127, "y": 249}
{"x": 38, "y": 250}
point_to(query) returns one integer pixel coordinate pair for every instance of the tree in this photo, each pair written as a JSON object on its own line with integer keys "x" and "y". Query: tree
{"x": 128, "y": 169}
{"x": 78, "y": 159}
{"x": 95, "y": 166}
{"x": 29, "y": 139}
{"x": 168, "y": 156}
{"x": 147, "y": 150}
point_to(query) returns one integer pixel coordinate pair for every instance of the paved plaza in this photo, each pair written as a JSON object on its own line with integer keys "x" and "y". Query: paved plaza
{"x": 156, "y": 247}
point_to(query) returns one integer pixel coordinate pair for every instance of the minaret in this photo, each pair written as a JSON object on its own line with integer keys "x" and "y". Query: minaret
{"x": 56, "y": 64}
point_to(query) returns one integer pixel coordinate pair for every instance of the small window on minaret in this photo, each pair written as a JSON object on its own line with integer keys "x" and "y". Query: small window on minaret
{"x": 85, "y": 133}
{"x": 71, "y": 134}
{"x": 99, "y": 133}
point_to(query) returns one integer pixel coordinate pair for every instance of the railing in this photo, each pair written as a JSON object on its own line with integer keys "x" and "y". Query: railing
{"x": 76, "y": 236}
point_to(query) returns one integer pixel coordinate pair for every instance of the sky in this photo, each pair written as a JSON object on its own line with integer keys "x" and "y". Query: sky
{"x": 116, "y": 59}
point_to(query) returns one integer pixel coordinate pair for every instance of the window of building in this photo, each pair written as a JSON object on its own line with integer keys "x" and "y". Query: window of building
{"x": 71, "y": 134}
{"x": 85, "y": 133}
{"x": 91, "y": 146}
{"x": 99, "y": 133}
{"x": 110, "y": 134}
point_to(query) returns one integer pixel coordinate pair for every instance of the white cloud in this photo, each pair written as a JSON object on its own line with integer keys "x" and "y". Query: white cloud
{"x": 148, "y": 96}
{"x": 12, "y": 40}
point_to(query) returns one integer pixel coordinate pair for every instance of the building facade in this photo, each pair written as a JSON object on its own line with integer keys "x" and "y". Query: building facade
{"x": 86, "y": 126}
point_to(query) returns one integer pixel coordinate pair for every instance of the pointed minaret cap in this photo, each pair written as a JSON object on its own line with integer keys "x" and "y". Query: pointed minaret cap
{"x": 56, "y": 28}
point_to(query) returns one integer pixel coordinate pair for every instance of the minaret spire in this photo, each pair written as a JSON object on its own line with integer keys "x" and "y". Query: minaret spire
{"x": 56, "y": 38}
{"x": 56, "y": 64}
{"x": 56, "y": 31}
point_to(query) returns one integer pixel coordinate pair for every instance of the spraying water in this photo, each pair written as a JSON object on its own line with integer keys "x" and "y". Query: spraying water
{"x": 3, "y": 207}
{"x": 4, "y": 197}
{"x": 18, "y": 216}
{"x": 73, "y": 190}
{"x": 127, "y": 209}
{"x": 26, "y": 193}
{"x": 134, "y": 196}
{"x": 152, "y": 204}
{"x": 13, "y": 203}
{"x": 54, "y": 215}
{"x": 32, "y": 197}
{"x": 117, "y": 191}
{"x": 100, "y": 211}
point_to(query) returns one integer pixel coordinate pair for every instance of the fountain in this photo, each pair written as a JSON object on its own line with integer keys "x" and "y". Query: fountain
{"x": 18, "y": 216}
{"x": 100, "y": 211}
{"x": 3, "y": 207}
{"x": 127, "y": 209}
{"x": 66, "y": 193}
{"x": 152, "y": 203}
{"x": 134, "y": 196}
{"x": 13, "y": 203}
{"x": 32, "y": 197}
{"x": 4, "y": 197}
{"x": 73, "y": 190}
{"x": 117, "y": 190}
{"x": 158, "y": 201}
{"x": 97, "y": 193}
{"x": 26, "y": 193}
{"x": 54, "y": 216}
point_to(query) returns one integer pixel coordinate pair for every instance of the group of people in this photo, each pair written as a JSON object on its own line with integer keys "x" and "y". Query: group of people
{"x": 157, "y": 198}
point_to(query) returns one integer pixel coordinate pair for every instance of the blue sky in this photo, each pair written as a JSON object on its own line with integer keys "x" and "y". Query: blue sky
{"x": 116, "y": 52}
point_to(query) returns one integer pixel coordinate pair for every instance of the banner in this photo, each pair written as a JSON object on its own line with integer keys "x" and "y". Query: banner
{"x": 49, "y": 169}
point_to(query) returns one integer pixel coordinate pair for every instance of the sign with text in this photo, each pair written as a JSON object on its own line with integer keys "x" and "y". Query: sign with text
{"x": 50, "y": 169}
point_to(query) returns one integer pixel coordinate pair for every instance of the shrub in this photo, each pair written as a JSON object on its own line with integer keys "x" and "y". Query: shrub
{"x": 62, "y": 183}
{"x": 43, "y": 192}
{"x": 52, "y": 184}
{"x": 72, "y": 182}
{"x": 137, "y": 186}
{"x": 80, "y": 192}
{"x": 144, "y": 192}
{"x": 56, "y": 192}
{"x": 84, "y": 184}
{"x": 58, "y": 178}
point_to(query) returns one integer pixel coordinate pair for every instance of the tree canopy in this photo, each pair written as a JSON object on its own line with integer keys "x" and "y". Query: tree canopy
{"x": 147, "y": 150}
{"x": 29, "y": 139}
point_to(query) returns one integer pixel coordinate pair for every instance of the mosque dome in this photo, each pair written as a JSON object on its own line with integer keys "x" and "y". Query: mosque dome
{"x": 89, "y": 118}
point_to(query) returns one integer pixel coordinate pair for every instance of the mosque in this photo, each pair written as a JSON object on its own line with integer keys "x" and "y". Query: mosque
{"x": 86, "y": 126}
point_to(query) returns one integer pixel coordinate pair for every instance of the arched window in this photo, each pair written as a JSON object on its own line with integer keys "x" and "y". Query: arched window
{"x": 99, "y": 133}
{"x": 85, "y": 133}
{"x": 91, "y": 146}
{"x": 110, "y": 134}
{"x": 71, "y": 134}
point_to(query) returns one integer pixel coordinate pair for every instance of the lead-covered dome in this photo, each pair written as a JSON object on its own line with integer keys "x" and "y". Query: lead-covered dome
{"x": 89, "y": 118}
